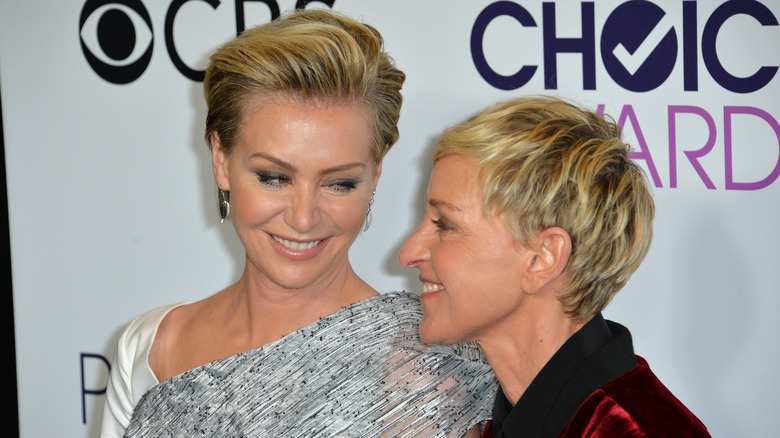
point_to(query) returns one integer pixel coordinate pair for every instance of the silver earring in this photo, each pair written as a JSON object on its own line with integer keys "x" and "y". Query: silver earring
{"x": 224, "y": 205}
{"x": 369, "y": 216}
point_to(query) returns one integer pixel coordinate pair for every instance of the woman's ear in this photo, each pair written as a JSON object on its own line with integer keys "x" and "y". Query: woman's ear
{"x": 377, "y": 173}
{"x": 219, "y": 162}
{"x": 550, "y": 253}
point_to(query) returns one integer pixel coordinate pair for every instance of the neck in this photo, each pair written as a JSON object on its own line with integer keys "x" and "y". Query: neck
{"x": 268, "y": 311}
{"x": 518, "y": 350}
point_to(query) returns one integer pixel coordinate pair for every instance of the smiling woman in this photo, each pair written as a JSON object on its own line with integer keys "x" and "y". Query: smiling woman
{"x": 300, "y": 179}
{"x": 536, "y": 218}
{"x": 301, "y": 112}
{"x": 467, "y": 250}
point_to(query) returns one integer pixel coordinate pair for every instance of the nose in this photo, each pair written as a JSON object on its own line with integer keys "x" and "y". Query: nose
{"x": 303, "y": 213}
{"x": 415, "y": 249}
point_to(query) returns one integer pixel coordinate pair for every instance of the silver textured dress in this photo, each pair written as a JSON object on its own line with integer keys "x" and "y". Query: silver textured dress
{"x": 359, "y": 372}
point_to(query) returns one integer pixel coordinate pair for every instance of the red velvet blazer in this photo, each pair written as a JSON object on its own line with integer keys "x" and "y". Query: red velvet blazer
{"x": 594, "y": 386}
{"x": 635, "y": 404}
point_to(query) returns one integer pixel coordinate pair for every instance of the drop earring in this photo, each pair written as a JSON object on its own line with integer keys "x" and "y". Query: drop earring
{"x": 224, "y": 204}
{"x": 369, "y": 216}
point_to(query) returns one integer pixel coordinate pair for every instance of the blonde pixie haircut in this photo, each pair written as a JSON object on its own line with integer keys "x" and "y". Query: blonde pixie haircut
{"x": 310, "y": 55}
{"x": 548, "y": 163}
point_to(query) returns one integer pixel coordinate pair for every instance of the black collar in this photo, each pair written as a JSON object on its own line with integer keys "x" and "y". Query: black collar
{"x": 596, "y": 354}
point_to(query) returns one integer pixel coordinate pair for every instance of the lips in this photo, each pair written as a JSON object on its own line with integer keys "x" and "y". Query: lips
{"x": 297, "y": 246}
{"x": 295, "y": 250}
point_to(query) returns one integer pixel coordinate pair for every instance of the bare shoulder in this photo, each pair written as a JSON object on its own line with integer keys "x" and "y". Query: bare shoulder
{"x": 162, "y": 351}
{"x": 174, "y": 348}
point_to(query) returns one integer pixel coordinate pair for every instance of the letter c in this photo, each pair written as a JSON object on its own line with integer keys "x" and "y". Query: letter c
{"x": 195, "y": 75}
{"x": 710, "y": 55}
{"x": 487, "y": 15}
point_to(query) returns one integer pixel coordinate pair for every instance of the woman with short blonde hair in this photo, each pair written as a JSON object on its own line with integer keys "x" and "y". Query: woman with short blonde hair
{"x": 536, "y": 218}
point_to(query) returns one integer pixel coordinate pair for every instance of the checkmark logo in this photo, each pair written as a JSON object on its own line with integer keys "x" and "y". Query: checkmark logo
{"x": 639, "y": 45}
{"x": 633, "y": 61}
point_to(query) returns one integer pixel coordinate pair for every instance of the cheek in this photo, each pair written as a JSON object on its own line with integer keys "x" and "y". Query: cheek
{"x": 456, "y": 265}
{"x": 466, "y": 275}
{"x": 346, "y": 213}
{"x": 449, "y": 318}
{"x": 250, "y": 206}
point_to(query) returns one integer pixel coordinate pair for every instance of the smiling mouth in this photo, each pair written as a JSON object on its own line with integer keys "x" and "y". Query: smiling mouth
{"x": 297, "y": 246}
{"x": 430, "y": 287}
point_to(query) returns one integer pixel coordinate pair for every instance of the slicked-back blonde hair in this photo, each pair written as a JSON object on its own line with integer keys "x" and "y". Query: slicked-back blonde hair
{"x": 548, "y": 163}
{"x": 309, "y": 55}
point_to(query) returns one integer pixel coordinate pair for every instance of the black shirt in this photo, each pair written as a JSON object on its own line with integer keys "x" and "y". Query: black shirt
{"x": 596, "y": 354}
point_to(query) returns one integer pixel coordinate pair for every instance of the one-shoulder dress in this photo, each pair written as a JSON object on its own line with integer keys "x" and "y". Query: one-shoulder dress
{"x": 359, "y": 372}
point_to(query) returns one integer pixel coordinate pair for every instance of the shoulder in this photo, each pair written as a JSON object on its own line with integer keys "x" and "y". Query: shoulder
{"x": 130, "y": 375}
{"x": 400, "y": 303}
{"x": 453, "y": 380}
{"x": 397, "y": 313}
{"x": 404, "y": 310}
{"x": 136, "y": 342}
{"x": 139, "y": 335}
{"x": 635, "y": 404}
{"x": 131, "y": 361}
{"x": 461, "y": 362}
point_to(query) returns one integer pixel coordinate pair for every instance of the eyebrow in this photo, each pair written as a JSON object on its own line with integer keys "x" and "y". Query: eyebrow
{"x": 281, "y": 163}
{"x": 288, "y": 166}
{"x": 438, "y": 203}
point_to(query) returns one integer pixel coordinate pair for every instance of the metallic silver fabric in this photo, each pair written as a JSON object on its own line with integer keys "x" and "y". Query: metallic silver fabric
{"x": 360, "y": 372}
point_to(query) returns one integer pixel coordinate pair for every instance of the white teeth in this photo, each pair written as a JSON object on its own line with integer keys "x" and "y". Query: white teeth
{"x": 428, "y": 287}
{"x": 297, "y": 246}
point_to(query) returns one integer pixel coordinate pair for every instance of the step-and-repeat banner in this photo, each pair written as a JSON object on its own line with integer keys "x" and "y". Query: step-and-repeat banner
{"x": 113, "y": 212}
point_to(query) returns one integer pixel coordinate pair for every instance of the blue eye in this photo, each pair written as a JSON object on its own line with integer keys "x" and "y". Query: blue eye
{"x": 272, "y": 179}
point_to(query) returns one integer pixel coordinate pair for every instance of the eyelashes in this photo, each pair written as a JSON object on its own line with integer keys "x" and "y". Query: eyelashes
{"x": 443, "y": 224}
{"x": 343, "y": 185}
{"x": 278, "y": 180}
{"x": 440, "y": 224}
{"x": 272, "y": 179}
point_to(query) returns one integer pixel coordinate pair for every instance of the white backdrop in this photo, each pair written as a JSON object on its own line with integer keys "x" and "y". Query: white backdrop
{"x": 111, "y": 198}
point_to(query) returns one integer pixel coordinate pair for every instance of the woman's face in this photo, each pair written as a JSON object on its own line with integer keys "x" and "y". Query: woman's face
{"x": 300, "y": 178}
{"x": 470, "y": 266}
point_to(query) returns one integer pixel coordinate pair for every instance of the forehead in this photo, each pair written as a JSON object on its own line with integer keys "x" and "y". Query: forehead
{"x": 307, "y": 128}
{"x": 273, "y": 98}
{"x": 287, "y": 99}
{"x": 454, "y": 184}
{"x": 291, "y": 100}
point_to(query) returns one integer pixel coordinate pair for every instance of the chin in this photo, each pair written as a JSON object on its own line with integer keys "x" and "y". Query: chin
{"x": 431, "y": 334}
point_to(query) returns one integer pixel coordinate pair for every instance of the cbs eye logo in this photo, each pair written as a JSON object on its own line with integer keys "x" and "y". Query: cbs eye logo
{"x": 116, "y": 38}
